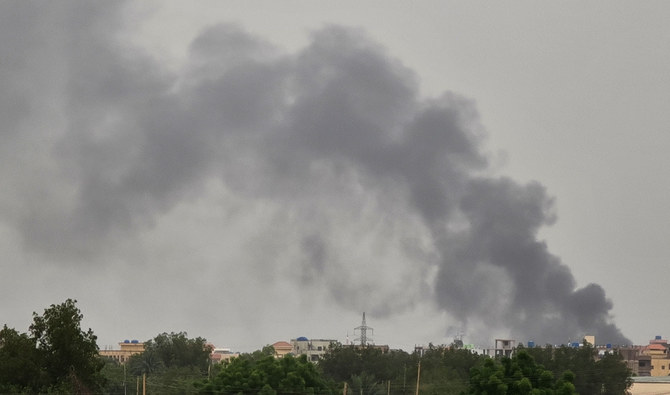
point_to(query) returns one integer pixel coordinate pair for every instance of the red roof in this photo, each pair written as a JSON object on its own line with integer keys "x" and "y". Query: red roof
{"x": 282, "y": 345}
{"x": 656, "y": 347}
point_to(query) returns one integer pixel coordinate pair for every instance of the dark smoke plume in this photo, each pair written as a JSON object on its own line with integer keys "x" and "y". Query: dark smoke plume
{"x": 336, "y": 135}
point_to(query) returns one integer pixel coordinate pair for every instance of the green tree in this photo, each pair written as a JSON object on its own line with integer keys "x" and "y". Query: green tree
{"x": 68, "y": 356}
{"x": 592, "y": 374}
{"x": 488, "y": 379}
{"x": 517, "y": 375}
{"x": 177, "y": 350}
{"x": 613, "y": 373}
{"x": 116, "y": 378}
{"x": 257, "y": 373}
{"x": 19, "y": 366}
{"x": 446, "y": 370}
{"x": 173, "y": 363}
{"x": 341, "y": 363}
{"x": 147, "y": 362}
{"x": 365, "y": 384}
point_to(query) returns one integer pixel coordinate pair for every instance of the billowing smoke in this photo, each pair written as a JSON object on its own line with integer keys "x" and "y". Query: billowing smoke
{"x": 378, "y": 193}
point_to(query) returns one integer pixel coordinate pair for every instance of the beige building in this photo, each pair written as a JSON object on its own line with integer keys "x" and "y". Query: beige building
{"x": 657, "y": 350}
{"x": 127, "y": 348}
{"x": 222, "y": 354}
{"x": 314, "y": 349}
{"x": 282, "y": 349}
{"x": 650, "y": 386}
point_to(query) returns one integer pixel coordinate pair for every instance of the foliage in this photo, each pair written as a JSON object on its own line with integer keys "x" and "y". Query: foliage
{"x": 579, "y": 369}
{"x": 172, "y": 362}
{"x": 177, "y": 350}
{"x": 55, "y": 356}
{"x": 607, "y": 374}
{"x": 444, "y": 370}
{"x": 340, "y": 363}
{"x": 19, "y": 366}
{"x": 115, "y": 375}
{"x": 66, "y": 352}
{"x": 147, "y": 362}
{"x": 365, "y": 384}
{"x": 259, "y": 373}
{"x": 517, "y": 375}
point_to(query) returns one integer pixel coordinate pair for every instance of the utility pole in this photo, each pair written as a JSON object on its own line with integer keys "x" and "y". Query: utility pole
{"x": 418, "y": 376}
{"x": 404, "y": 381}
{"x": 345, "y": 389}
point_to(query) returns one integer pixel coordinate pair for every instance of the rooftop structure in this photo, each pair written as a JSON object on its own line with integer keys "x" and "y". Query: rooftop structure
{"x": 127, "y": 348}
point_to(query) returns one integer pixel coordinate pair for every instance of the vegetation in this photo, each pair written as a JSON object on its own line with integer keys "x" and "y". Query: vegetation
{"x": 262, "y": 373}
{"x": 172, "y": 362}
{"x": 518, "y": 375}
{"x": 607, "y": 374}
{"x": 366, "y": 370}
{"x": 57, "y": 356}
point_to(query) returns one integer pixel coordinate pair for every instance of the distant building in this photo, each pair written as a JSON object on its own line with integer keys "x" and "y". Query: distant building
{"x": 127, "y": 348}
{"x": 657, "y": 350}
{"x": 502, "y": 348}
{"x": 282, "y": 349}
{"x": 650, "y": 386}
{"x": 590, "y": 339}
{"x": 222, "y": 354}
{"x": 639, "y": 364}
{"x": 314, "y": 349}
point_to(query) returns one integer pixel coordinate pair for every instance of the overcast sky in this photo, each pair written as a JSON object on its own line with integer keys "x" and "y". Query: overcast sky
{"x": 255, "y": 171}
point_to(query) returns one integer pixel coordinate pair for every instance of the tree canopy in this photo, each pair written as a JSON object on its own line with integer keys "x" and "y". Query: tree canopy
{"x": 56, "y": 354}
{"x": 593, "y": 374}
{"x": 260, "y": 373}
{"x": 518, "y": 375}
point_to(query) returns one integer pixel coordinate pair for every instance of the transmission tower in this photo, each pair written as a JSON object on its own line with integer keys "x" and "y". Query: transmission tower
{"x": 363, "y": 331}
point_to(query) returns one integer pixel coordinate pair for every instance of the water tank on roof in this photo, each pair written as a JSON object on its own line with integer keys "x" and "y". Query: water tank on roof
{"x": 575, "y": 345}
{"x": 658, "y": 337}
{"x": 126, "y": 341}
{"x": 609, "y": 345}
{"x": 134, "y": 341}
{"x": 531, "y": 344}
{"x": 302, "y": 339}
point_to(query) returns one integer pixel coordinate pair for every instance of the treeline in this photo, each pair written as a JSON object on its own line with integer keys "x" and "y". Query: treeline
{"x": 57, "y": 356}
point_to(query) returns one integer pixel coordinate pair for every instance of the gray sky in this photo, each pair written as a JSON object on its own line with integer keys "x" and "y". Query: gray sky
{"x": 257, "y": 171}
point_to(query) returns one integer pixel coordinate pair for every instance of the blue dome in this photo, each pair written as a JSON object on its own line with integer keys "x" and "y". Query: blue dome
{"x": 302, "y": 339}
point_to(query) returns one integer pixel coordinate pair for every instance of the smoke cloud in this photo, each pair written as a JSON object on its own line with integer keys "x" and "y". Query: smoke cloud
{"x": 362, "y": 188}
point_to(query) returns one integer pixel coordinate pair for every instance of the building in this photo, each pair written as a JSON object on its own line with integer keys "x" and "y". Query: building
{"x": 314, "y": 349}
{"x": 282, "y": 349}
{"x": 222, "y": 354}
{"x": 657, "y": 350}
{"x": 639, "y": 364}
{"x": 502, "y": 348}
{"x": 127, "y": 348}
{"x": 650, "y": 386}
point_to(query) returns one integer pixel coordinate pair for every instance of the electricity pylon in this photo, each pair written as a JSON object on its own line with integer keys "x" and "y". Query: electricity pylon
{"x": 363, "y": 330}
